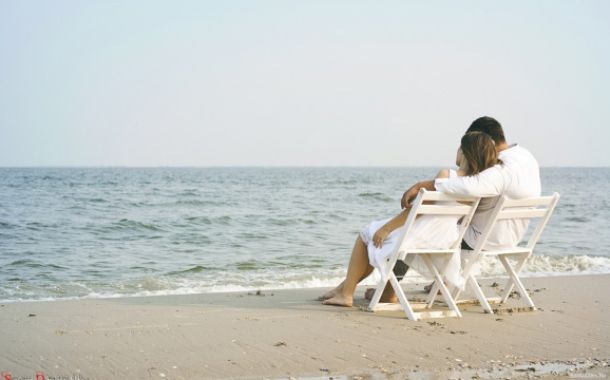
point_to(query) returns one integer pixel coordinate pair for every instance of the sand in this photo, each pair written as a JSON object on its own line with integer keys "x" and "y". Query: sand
{"x": 280, "y": 334}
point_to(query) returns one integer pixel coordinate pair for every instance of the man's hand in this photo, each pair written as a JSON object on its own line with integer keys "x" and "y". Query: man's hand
{"x": 409, "y": 196}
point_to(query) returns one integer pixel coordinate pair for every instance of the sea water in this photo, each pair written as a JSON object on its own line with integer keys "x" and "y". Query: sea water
{"x": 107, "y": 232}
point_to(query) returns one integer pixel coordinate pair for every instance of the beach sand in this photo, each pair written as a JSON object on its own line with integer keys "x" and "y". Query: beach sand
{"x": 287, "y": 333}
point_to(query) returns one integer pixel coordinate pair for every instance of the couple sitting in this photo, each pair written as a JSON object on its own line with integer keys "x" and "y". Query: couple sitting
{"x": 488, "y": 168}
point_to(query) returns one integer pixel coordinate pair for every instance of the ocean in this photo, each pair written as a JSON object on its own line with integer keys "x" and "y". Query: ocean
{"x": 116, "y": 232}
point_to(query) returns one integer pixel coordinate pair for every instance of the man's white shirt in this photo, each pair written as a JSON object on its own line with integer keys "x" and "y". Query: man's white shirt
{"x": 517, "y": 177}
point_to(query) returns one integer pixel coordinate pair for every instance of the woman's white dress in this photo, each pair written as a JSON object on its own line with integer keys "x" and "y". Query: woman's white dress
{"x": 427, "y": 231}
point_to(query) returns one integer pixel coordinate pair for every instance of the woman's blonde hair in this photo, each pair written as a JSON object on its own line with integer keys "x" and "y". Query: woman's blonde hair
{"x": 479, "y": 152}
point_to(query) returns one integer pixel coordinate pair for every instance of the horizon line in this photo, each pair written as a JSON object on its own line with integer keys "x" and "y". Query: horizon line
{"x": 257, "y": 166}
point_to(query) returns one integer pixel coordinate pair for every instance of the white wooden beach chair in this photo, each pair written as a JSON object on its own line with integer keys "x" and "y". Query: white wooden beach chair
{"x": 540, "y": 209}
{"x": 465, "y": 210}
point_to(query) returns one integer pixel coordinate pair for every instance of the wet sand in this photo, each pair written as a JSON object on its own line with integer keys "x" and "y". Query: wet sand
{"x": 281, "y": 334}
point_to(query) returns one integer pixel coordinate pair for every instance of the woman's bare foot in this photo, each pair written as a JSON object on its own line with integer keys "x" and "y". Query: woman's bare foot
{"x": 328, "y": 295}
{"x": 340, "y": 300}
{"x": 368, "y": 294}
{"x": 331, "y": 293}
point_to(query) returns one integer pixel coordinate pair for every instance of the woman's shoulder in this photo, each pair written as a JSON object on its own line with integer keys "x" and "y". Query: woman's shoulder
{"x": 447, "y": 173}
{"x": 443, "y": 173}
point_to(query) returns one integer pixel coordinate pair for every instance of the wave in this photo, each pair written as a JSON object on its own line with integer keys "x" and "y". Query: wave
{"x": 196, "y": 202}
{"x": 578, "y": 219}
{"x": 290, "y": 221}
{"x": 542, "y": 265}
{"x": 96, "y": 200}
{"x": 223, "y": 220}
{"x": 376, "y": 196}
{"x": 28, "y": 263}
{"x": 37, "y": 226}
{"x": 252, "y": 236}
{"x": 6, "y": 225}
{"x": 247, "y": 265}
{"x": 189, "y": 193}
{"x": 251, "y": 275}
{"x": 133, "y": 225}
{"x": 198, "y": 220}
{"x": 206, "y": 220}
{"x": 162, "y": 286}
{"x": 195, "y": 269}
{"x": 51, "y": 178}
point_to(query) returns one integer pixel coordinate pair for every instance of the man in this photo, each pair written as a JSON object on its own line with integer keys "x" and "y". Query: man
{"x": 517, "y": 176}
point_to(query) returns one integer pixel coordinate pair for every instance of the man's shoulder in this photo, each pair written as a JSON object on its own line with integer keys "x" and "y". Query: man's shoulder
{"x": 523, "y": 171}
{"x": 517, "y": 152}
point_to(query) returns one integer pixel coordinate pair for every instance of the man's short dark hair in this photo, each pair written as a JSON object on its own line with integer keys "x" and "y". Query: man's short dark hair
{"x": 490, "y": 126}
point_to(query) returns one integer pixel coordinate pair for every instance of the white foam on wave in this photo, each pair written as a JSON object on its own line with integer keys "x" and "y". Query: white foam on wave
{"x": 543, "y": 265}
{"x": 537, "y": 266}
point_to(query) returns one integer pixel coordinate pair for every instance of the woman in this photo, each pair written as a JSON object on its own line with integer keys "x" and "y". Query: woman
{"x": 477, "y": 152}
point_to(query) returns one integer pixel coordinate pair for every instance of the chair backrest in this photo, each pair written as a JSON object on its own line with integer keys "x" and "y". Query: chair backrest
{"x": 529, "y": 208}
{"x": 464, "y": 210}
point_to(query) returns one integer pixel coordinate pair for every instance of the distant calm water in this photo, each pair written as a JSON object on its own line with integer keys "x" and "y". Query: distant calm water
{"x": 70, "y": 232}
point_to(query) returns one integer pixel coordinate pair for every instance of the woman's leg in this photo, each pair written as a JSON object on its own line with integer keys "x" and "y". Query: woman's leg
{"x": 357, "y": 270}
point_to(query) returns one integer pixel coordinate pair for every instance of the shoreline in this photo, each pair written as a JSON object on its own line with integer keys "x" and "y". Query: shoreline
{"x": 407, "y": 282}
{"x": 287, "y": 333}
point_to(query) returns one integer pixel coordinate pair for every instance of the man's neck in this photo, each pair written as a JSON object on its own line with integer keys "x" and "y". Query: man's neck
{"x": 502, "y": 146}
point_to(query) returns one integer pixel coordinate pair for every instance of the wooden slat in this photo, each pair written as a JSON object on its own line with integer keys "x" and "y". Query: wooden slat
{"x": 469, "y": 301}
{"x": 529, "y": 202}
{"x": 517, "y": 251}
{"x": 521, "y": 213}
{"x": 419, "y": 314}
{"x": 474, "y": 301}
{"x": 443, "y": 210}
{"x": 436, "y": 314}
{"x": 385, "y": 307}
{"x": 494, "y": 299}
{"x": 396, "y": 306}
{"x": 440, "y": 196}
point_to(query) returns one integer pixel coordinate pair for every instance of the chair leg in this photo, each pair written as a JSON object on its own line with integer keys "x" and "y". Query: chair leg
{"x": 439, "y": 280}
{"x": 402, "y": 298}
{"x": 380, "y": 288}
{"x": 513, "y": 275}
{"x": 510, "y": 284}
{"x": 466, "y": 273}
{"x": 377, "y": 295}
{"x": 432, "y": 295}
{"x": 480, "y": 295}
{"x": 508, "y": 288}
{"x": 435, "y": 288}
{"x": 456, "y": 294}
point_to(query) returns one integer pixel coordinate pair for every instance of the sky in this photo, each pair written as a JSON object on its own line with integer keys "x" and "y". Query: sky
{"x": 299, "y": 83}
